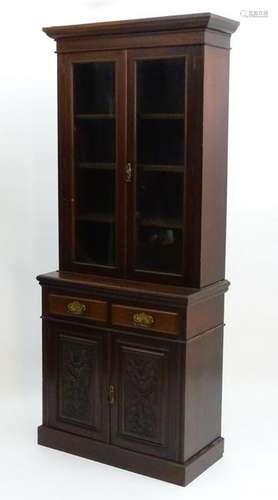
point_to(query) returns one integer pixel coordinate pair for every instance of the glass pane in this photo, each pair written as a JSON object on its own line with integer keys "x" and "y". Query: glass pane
{"x": 94, "y": 88}
{"x": 95, "y": 140}
{"x": 161, "y": 85}
{"x": 95, "y": 155}
{"x": 160, "y": 164}
{"x": 161, "y": 141}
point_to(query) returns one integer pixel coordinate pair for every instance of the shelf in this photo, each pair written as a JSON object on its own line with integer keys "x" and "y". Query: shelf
{"x": 159, "y": 222}
{"x": 162, "y": 168}
{"x": 161, "y": 116}
{"x": 96, "y": 116}
{"x": 96, "y": 166}
{"x": 95, "y": 217}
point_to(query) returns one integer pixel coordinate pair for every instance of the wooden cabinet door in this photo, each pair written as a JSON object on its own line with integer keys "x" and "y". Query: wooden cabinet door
{"x": 91, "y": 160}
{"x": 75, "y": 380}
{"x": 146, "y": 393}
{"x": 157, "y": 129}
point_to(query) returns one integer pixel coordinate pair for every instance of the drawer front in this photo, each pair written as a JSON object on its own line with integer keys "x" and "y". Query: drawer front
{"x": 147, "y": 319}
{"x": 77, "y": 307}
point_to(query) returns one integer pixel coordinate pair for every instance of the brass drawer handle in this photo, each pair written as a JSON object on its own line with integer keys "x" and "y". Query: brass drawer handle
{"x": 143, "y": 319}
{"x": 76, "y": 307}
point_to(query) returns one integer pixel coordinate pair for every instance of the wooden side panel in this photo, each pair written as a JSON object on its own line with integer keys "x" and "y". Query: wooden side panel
{"x": 214, "y": 178}
{"x": 203, "y": 392}
{"x": 194, "y": 166}
{"x": 204, "y": 315}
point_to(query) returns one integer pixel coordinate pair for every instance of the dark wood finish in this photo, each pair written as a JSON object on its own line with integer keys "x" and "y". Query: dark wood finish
{"x": 146, "y": 40}
{"x": 205, "y": 161}
{"x": 204, "y": 315}
{"x": 94, "y": 309}
{"x": 133, "y": 319}
{"x": 173, "y": 379}
{"x": 100, "y": 284}
{"x": 166, "y": 470}
{"x": 75, "y": 376}
{"x": 146, "y": 375}
{"x": 169, "y": 23}
{"x": 67, "y": 201}
{"x": 164, "y": 31}
{"x": 134, "y": 56}
{"x": 161, "y": 321}
{"x": 203, "y": 391}
{"x": 214, "y": 179}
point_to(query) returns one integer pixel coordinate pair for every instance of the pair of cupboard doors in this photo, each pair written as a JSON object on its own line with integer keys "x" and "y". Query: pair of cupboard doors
{"x": 125, "y": 203}
{"x": 115, "y": 388}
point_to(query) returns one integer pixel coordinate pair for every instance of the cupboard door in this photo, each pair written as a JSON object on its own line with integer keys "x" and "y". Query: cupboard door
{"x": 76, "y": 380}
{"x": 145, "y": 393}
{"x": 157, "y": 80}
{"x": 92, "y": 120}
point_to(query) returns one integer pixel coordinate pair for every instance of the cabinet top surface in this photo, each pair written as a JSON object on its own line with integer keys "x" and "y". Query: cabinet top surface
{"x": 186, "y": 22}
{"x": 117, "y": 285}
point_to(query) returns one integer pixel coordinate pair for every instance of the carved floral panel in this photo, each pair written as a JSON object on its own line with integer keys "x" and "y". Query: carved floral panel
{"x": 76, "y": 380}
{"x": 142, "y": 394}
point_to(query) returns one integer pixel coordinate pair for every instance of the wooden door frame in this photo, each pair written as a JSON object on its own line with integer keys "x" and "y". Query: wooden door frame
{"x": 134, "y": 55}
{"x": 67, "y": 160}
{"x": 169, "y": 448}
{"x": 53, "y": 330}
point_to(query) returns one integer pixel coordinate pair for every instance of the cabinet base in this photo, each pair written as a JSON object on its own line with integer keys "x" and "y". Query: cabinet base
{"x": 173, "y": 472}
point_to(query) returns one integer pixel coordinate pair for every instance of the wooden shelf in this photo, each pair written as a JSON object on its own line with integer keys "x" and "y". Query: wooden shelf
{"x": 161, "y": 222}
{"x": 162, "y": 168}
{"x": 161, "y": 116}
{"x": 96, "y": 166}
{"x": 94, "y": 116}
{"x": 96, "y": 217}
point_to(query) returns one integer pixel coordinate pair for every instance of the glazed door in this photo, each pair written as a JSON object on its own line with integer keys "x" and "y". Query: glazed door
{"x": 92, "y": 155}
{"x": 157, "y": 82}
{"x": 75, "y": 378}
{"x": 145, "y": 392}
{"x": 122, "y": 138}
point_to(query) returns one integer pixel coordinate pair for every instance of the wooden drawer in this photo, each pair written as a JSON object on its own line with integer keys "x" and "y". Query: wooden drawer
{"x": 149, "y": 319}
{"x": 77, "y": 306}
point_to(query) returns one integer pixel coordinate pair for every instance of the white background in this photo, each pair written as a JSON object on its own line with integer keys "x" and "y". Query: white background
{"x": 28, "y": 246}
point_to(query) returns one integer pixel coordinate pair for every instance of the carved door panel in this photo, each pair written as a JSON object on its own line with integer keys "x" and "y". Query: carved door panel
{"x": 75, "y": 368}
{"x": 145, "y": 383}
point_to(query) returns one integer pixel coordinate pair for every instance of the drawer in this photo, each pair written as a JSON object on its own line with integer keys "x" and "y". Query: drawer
{"x": 77, "y": 306}
{"x": 149, "y": 319}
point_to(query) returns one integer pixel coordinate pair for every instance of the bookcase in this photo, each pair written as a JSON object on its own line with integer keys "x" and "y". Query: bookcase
{"x": 133, "y": 318}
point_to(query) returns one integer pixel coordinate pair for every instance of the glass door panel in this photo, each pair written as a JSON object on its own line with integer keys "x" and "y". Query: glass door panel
{"x": 95, "y": 162}
{"x": 160, "y": 159}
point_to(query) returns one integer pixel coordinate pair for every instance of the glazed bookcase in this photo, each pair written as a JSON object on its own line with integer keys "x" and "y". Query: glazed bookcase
{"x": 133, "y": 319}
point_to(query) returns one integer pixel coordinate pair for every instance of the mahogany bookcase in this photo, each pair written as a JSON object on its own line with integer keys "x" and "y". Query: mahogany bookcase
{"x": 133, "y": 319}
